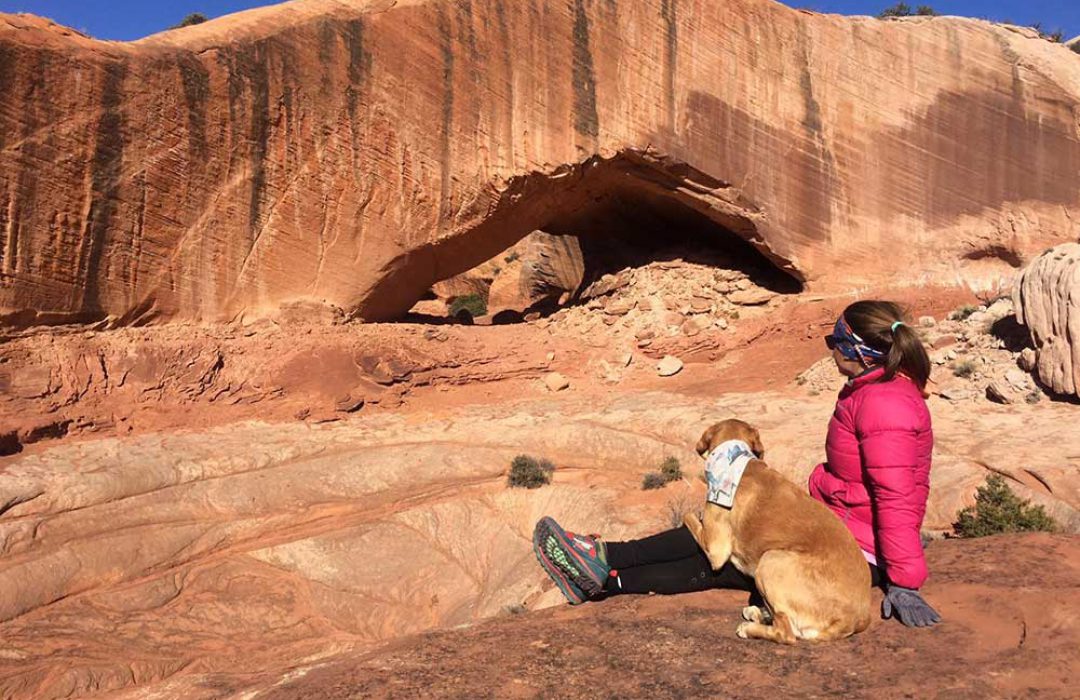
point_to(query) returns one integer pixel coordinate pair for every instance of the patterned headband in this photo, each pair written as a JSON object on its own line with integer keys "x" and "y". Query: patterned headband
{"x": 852, "y": 346}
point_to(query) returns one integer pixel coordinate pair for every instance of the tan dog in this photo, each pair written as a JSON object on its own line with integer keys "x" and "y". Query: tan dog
{"x": 807, "y": 566}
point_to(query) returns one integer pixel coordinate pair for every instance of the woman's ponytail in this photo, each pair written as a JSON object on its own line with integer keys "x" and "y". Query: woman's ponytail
{"x": 908, "y": 356}
{"x": 881, "y": 326}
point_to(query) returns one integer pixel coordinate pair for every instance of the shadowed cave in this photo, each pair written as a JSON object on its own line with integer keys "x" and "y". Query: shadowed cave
{"x": 596, "y": 218}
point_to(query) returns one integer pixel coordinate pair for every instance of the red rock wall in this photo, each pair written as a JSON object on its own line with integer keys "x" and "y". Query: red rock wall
{"x": 356, "y": 152}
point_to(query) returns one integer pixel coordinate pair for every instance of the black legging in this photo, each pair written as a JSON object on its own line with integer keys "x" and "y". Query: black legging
{"x": 672, "y": 562}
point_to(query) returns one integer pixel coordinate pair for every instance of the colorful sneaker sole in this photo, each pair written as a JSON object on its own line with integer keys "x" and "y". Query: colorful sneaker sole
{"x": 556, "y": 545}
{"x": 572, "y": 593}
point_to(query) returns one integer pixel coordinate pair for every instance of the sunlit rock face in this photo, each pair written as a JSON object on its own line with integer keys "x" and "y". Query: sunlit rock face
{"x": 355, "y": 153}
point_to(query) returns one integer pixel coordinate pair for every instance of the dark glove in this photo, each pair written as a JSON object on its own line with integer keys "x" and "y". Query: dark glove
{"x": 909, "y": 606}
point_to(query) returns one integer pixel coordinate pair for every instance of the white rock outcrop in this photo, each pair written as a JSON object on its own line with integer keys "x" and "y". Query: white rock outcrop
{"x": 1047, "y": 301}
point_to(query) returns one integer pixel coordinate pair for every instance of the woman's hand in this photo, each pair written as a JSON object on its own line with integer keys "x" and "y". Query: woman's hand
{"x": 909, "y": 606}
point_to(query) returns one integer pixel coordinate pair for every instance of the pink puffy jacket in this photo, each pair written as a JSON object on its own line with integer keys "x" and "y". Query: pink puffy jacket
{"x": 877, "y": 478}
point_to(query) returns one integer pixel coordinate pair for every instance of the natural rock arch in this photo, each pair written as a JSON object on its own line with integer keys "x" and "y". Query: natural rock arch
{"x": 570, "y": 200}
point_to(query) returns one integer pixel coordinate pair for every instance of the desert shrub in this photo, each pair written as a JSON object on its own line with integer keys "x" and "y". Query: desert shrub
{"x": 1033, "y": 397}
{"x": 475, "y": 304}
{"x": 998, "y": 510}
{"x": 671, "y": 469}
{"x": 1057, "y": 36}
{"x": 653, "y": 480}
{"x": 964, "y": 369}
{"x": 511, "y": 257}
{"x": 963, "y": 312}
{"x": 193, "y": 18}
{"x": 902, "y": 9}
{"x": 529, "y": 472}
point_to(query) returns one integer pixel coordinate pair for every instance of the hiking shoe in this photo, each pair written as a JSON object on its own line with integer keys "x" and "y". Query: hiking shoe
{"x": 573, "y": 594}
{"x": 581, "y": 558}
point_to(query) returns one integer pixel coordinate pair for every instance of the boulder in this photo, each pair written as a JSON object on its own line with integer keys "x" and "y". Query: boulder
{"x": 693, "y": 326}
{"x": 751, "y": 296}
{"x": 1026, "y": 359}
{"x": 1018, "y": 379}
{"x": 556, "y": 382}
{"x": 998, "y": 395}
{"x": 431, "y": 307}
{"x": 669, "y": 366}
{"x": 1047, "y": 301}
{"x": 463, "y": 285}
{"x": 700, "y": 305}
{"x": 508, "y": 290}
{"x": 955, "y": 393}
{"x": 606, "y": 285}
{"x": 541, "y": 266}
{"x": 618, "y": 307}
{"x": 980, "y": 320}
{"x": 1000, "y": 309}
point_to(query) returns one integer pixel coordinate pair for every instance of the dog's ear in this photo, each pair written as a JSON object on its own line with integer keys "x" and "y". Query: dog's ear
{"x": 756, "y": 445}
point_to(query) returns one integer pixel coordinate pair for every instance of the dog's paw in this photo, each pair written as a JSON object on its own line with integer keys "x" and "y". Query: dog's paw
{"x": 741, "y": 630}
{"x": 752, "y": 613}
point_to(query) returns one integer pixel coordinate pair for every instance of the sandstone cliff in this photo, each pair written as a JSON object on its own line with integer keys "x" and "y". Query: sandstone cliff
{"x": 353, "y": 152}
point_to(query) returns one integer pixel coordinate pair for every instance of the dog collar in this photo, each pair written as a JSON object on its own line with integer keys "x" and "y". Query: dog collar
{"x": 724, "y": 470}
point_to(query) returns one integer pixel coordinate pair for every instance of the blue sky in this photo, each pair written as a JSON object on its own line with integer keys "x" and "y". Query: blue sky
{"x": 132, "y": 19}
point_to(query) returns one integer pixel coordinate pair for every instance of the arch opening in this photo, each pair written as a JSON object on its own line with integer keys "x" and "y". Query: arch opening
{"x": 553, "y": 238}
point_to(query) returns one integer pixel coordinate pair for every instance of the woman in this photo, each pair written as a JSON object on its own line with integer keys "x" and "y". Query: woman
{"x": 876, "y": 479}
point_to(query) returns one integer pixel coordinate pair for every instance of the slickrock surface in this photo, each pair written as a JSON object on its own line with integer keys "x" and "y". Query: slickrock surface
{"x": 1010, "y": 631}
{"x": 250, "y": 548}
{"x": 353, "y": 153}
{"x": 1048, "y": 303}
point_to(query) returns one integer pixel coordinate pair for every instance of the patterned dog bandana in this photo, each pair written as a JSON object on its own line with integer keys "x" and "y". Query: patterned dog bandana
{"x": 724, "y": 469}
{"x": 851, "y": 346}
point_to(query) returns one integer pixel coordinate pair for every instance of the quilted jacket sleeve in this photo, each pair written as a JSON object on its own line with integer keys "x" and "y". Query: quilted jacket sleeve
{"x": 889, "y": 444}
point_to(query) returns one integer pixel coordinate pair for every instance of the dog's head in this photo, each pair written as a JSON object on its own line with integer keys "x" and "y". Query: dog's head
{"x": 731, "y": 429}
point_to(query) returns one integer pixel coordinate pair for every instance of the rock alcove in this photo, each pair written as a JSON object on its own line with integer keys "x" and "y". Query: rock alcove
{"x": 563, "y": 237}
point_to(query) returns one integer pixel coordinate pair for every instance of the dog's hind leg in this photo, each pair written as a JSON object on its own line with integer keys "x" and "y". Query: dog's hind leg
{"x": 798, "y": 600}
{"x": 753, "y": 613}
{"x": 780, "y": 631}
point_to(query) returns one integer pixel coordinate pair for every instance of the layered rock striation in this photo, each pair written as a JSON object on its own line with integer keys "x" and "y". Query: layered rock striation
{"x": 354, "y": 152}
